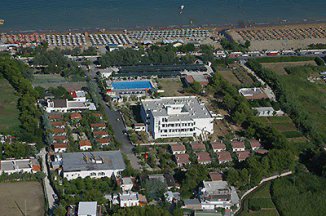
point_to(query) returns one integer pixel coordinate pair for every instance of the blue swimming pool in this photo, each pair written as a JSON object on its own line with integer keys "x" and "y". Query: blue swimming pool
{"x": 121, "y": 85}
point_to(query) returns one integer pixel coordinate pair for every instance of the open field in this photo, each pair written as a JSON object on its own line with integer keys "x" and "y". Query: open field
{"x": 306, "y": 95}
{"x": 8, "y": 106}
{"x": 21, "y": 198}
{"x": 279, "y": 67}
{"x": 171, "y": 86}
{"x": 54, "y": 80}
{"x": 260, "y": 200}
{"x": 230, "y": 77}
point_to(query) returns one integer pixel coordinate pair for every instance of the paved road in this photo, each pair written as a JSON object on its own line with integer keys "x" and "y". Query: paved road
{"x": 48, "y": 188}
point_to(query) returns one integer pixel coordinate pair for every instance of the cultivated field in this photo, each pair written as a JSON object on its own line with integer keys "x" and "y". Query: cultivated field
{"x": 279, "y": 67}
{"x": 237, "y": 75}
{"x": 171, "y": 87}
{"x": 230, "y": 77}
{"x": 8, "y": 106}
{"x": 260, "y": 203}
{"x": 21, "y": 198}
{"x": 283, "y": 124}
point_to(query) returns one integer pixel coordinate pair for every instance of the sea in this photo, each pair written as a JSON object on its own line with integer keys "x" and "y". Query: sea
{"x": 80, "y": 15}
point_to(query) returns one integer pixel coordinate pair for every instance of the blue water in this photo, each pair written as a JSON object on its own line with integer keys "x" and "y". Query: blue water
{"x": 22, "y": 15}
{"x": 132, "y": 85}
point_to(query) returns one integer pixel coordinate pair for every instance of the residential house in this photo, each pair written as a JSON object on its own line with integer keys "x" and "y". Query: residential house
{"x": 198, "y": 146}
{"x": 138, "y": 127}
{"x": 218, "y": 146}
{"x": 182, "y": 159}
{"x": 169, "y": 180}
{"x": 218, "y": 194}
{"x": 103, "y": 141}
{"x": 75, "y": 116}
{"x": 224, "y": 157}
{"x": 172, "y": 197}
{"x": 264, "y": 111}
{"x": 100, "y": 134}
{"x": 126, "y": 183}
{"x": 87, "y": 209}
{"x": 79, "y": 96}
{"x": 60, "y": 139}
{"x": 64, "y": 105}
{"x": 60, "y": 147}
{"x": 203, "y": 158}
{"x": 98, "y": 126}
{"x": 59, "y": 132}
{"x": 58, "y": 124}
{"x": 253, "y": 93}
{"x": 193, "y": 204}
{"x": 237, "y": 146}
{"x": 98, "y": 115}
{"x": 85, "y": 145}
{"x": 261, "y": 151}
{"x": 255, "y": 144}
{"x": 178, "y": 149}
{"x": 129, "y": 199}
{"x": 55, "y": 117}
{"x": 216, "y": 176}
{"x": 243, "y": 155}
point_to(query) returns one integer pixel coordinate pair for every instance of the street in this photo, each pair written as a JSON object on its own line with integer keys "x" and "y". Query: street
{"x": 48, "y": 188}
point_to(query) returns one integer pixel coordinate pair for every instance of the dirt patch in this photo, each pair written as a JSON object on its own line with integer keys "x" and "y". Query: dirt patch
{"x": 21, "y": 198}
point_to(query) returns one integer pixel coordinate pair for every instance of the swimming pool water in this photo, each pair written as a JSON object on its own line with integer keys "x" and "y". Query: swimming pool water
{"x": 132, "y": 85}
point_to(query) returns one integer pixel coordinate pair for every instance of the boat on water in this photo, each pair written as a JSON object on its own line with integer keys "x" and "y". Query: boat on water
{"x": 2, "y": 21}
{"x": 181, "y": 8}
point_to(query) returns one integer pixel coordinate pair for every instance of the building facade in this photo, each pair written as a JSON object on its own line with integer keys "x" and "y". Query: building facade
{"x": 176, "y": 117}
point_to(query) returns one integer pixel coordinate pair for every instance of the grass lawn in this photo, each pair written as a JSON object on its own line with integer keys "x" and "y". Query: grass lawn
{"x": 261, "y": 199}
{"x": 15, "y": 196}
{"x": 54, "y": 80}
{"x": 279, "y": 67}
{"x": 8, "y": 107}
{"x": 171, "y": 86}
{"x": 230, "y": 77}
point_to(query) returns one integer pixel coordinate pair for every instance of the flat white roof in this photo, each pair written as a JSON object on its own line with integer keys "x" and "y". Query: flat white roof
{"x": 183, "y": 108}
{"x": 87, "y": 208}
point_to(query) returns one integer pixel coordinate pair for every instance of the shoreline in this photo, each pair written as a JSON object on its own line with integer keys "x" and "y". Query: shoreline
{"x": 215, "y": 27}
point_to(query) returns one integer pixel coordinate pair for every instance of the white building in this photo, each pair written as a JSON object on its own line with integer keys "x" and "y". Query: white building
{"x": 64, "y": 105}
{"x": 79, "y": 96}
{"x": 264, "y": 111}
{"x": 176, "y": 117}
{"x": 87, "y": 209}
{"x": 138, "y": 127}
{"x": 92, "y": 164}
{"x": 15, "y": 166}
{"x": 218, "y": 194}
{"x": 129, "y": 199}
{"x": 126, "y": 184}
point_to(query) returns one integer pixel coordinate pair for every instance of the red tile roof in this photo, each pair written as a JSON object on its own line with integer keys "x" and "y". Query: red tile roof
{"x": 55, "y": 124}
{"x": 198, "y": 146}
{"x": 103, "y": 141}
{"x": 261, "y": 151}
{"x": 55, "y": 116}
{"x": 97, "y": 114}
{"x": 85, "y": 143}
{"x": 177, "y": 147}
{"x": 60, "y": 145}
{"x": 218, "y": 145}
{"x": 238, "y": 144}
{"x": 255, "y": 143}
{"x": 182, "y": 158}
{"x": 101, "y": 132}
{"x": 59, "y": 137}
{"x": 58, "y": 130}
{"x": 216, "y": 176}
{"x": 224, "y": 156}
{"x": 243, "y": 155}
{"x": 75, "y": 116}
{"x": 203, "y": 157}
{"x": 95, "y": 125}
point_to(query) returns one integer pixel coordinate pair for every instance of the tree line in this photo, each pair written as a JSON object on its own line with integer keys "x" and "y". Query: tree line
{"x": 29, "y": 116}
